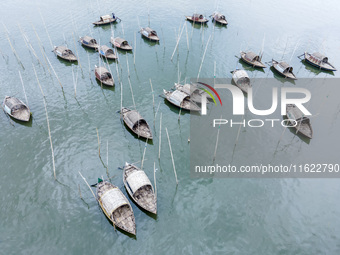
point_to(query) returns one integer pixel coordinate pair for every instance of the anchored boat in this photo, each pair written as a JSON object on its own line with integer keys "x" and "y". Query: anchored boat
{"x": 104, "y": 76}
{"x": 106, "y": 19}
{"x": 219, "y": 18}
{"x": 139, "y": 188}
{"x": 284, "y": 69}
{"x": 115, "y": 206}
{"x": 136, "y": 123}
{"x": 197, "y": 18}
{"x": 181, "y": 100}
{"x": 64, "y": 53}
{"x": 318, "y": 60}
{"x": 15, "y": 108}
{"x": 89, "y": 42}
{"x": 241, "y": 79}
{"x": 193, "y": 91}
{"x": 120, "y": 43}
{"x": 149, "y": 33}
{"x": 107, "y": 52}
{"x": 296, "y": 116}
{"x": 252, "y": 59}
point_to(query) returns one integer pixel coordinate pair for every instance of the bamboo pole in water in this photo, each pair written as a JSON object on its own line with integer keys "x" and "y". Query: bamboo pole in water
{"x": 206, "y": 47}
{"x": 179, "y": 38}
{"x": 48, "y": 35}
{"x": 160, "y": 136}
{"x": 48, "y": 123}
{"x": 12, "y": 47}
{"x": 23, "y": 87}
{"x": 87, "y": 185}
{"x": 146, "y": 144}
{"x": 53, "y": 71}
{"x": 75, "y": 45}
{"x": 154, "y": 177}
{"x": 172, "y": 157}
{"x": 153, "y": 95}
{"x": 134, "y": 51}
{"x": 98, "y": 143}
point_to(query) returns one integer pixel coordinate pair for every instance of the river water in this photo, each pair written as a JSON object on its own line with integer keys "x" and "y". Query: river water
{"x": 209, "y": 216}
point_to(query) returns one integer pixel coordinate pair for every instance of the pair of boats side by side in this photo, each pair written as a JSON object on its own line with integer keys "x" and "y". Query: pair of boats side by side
{"x": 201, "y": 19}
{"x": 283, "y": 68}
{"x": 115, "y": 204}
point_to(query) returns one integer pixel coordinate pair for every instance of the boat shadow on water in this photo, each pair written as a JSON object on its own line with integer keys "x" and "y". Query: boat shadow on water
{"x": 315, "y": 69}
{"x": 198, "y": 25}
{"x": 150, "y": 42}
{"x": 67, "y": 63}
{"x": 280, "y": 78}
{"x": 113, "y": 88}
{"x": 23, "y": 123}
{"x": 247, "y": 67}
{"x": 176, "y": 109}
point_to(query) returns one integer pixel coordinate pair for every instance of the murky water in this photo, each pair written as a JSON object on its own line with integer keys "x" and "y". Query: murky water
{"x": 230, "y": 216}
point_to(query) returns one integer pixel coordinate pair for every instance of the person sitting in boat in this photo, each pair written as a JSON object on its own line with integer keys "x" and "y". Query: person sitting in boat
{"x": 113, "y": 16}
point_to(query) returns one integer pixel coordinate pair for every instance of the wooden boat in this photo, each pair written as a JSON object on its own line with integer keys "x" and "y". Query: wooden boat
{"x": 149, "y": 34}
{"x": 193, "y": 91}
{"x": 303, "y": 123}
{"x": 136, "y": 123}
{"x": 15, "y": 108}
{"x": 241, "y": 79}
{"x": 284, "y": 69}
{"x": 219, "y": 18}
{"x": 106, "y": 19}
{"x": 89, "y": 42}
{"x": 252, "y": 59}
{"x": 197, "y": 18}
{"x": 181, "y": 100}
{"x": 139, "y": 188}
{"x": 318, "y": 60}
{"x": 107, "y": 52}
{"x": 120, "y": 43}
{"x": 115, "y": 206}
{"x": 64, "y": 53}
{"x": 104, "y": 76}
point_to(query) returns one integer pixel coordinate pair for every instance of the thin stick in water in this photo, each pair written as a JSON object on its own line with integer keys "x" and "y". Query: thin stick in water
{"x": 98, "y": 143}
{"x": 48, "y": 123}
{"x": 87, "y": 185}
{"x": 160, "y": 136}
{"x": 146, "y": 144}
{"x": 172, "y": 157}
{"x": 154, "y": 177}
{"x": 198, "y": 75}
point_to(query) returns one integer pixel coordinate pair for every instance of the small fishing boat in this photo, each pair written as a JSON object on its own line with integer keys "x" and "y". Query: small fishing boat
{"x": 104, "y": 76}
{"x": 241, "y": 79}
{"x": 219, "y": 18}
{"x": 107, "y": 52}
{"x": 89, "y": 42}
{"x": 120, "y": 43}
{"x": 318, "y": 60}
{"x": 15, "y": 108}
{"x": 149, "y": 33}
{"x": 197, "y": 18}
{"x": 139, "y": 188}
{"x": 106, "y": 19}
{"x": 295, "y": 116}
{"x": 64, "y": 53}
{"x": 193, "y": 91}
{"x": 181, "y": 100}
{"x": 284, "y": 69}
{"x": 136, "y": 123}
{"x": 252, "y": 59}
{"x": 115, "y": 206}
